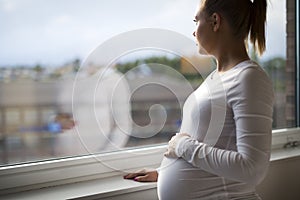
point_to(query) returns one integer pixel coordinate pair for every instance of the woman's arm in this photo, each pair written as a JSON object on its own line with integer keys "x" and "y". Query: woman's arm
{"x": 251, "y": 100}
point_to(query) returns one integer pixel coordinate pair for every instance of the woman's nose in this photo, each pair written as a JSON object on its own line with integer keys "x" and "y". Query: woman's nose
{"x": 194, "y": 34}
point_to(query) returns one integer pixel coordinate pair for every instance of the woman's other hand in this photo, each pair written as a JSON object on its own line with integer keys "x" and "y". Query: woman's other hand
{"x": 171, "y": 151}
{"x": 143, "y": 175}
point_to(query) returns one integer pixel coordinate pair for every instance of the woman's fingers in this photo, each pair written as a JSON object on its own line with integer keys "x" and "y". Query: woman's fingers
{"x": 133, "y": 175}
{"x": 143, "y": 176}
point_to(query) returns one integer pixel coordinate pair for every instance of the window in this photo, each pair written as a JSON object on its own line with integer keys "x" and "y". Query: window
{"x": 46, "y": 49}
{"x": 45, "y": 43}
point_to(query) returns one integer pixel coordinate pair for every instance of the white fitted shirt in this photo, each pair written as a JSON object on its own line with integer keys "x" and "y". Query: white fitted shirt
{"x": 229, "y": 118}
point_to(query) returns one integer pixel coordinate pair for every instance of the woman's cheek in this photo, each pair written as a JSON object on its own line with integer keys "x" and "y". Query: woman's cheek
{"x": 201, "y": 49}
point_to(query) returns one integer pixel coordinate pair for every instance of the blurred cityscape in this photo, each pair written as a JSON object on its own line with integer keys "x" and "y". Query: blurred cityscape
{"x": 28, "y": 102}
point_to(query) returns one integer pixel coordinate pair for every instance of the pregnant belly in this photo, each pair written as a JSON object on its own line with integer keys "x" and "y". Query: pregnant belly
{"x": 179, "y": 180}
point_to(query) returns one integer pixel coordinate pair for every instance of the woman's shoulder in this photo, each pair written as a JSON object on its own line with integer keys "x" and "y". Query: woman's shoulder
{"x": 251, "y": 71}
{"x": 245, "y": 72}
{"x": 251, "y": 82}
{"x": 248, "y": 78}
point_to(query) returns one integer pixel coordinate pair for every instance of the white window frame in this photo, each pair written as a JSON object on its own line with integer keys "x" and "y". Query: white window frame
{"x": 29, "y": 176}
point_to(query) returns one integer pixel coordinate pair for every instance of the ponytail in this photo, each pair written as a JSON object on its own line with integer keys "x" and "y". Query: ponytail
{"x": 257, "y": 27}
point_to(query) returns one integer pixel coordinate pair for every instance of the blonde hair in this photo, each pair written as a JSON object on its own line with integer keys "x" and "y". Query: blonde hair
{"x": 246, "y": 18}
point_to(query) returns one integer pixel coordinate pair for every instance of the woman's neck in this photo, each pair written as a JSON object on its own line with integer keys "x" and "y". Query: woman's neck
{"x": 230, "y": 57}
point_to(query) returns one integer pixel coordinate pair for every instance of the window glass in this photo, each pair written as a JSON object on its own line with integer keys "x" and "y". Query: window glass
{"x": 58, "y": 99}
{"x": 276, "y": 64}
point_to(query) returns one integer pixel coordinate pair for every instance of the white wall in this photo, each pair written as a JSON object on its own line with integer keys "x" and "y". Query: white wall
{"x": 282, "y": 181}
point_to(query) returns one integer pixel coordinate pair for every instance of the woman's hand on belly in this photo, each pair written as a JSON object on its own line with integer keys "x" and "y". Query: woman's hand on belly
{"x": 173, "y": 143}
{"x": 143, "y": 175}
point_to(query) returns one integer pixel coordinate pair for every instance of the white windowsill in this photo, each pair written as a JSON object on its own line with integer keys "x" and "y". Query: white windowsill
{"x": 280, "y": 154}
{"x": 99, "y": 188}
{"x": 112, "y": 186}
{"x": 86, "y": 177}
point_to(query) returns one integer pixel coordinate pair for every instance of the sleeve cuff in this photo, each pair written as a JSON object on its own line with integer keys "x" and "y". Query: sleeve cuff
{"x": 179, "y": 149}
{"x": 187, "y": 148}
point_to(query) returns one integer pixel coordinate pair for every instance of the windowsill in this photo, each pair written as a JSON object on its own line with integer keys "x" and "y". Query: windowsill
{"x": 116, "y": 185}
{"x": 289, "y": 153}
{"x": 94, "y": 189}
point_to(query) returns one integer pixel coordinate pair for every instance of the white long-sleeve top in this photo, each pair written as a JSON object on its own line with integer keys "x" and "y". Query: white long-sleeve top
{"x": 229, "y": 118}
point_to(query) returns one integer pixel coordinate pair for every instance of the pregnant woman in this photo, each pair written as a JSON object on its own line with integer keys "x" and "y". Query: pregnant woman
{"x": 230, "y": 162}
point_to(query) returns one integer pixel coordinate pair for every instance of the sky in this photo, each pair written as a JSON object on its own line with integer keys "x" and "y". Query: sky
{"x": 54, "y": 32}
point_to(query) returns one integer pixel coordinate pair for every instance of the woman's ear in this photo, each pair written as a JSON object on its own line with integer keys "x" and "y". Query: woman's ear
{"x": 215, "y": 21}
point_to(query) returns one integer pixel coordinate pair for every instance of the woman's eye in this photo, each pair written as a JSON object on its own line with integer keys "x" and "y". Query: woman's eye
{"x": 195, "y": 21}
